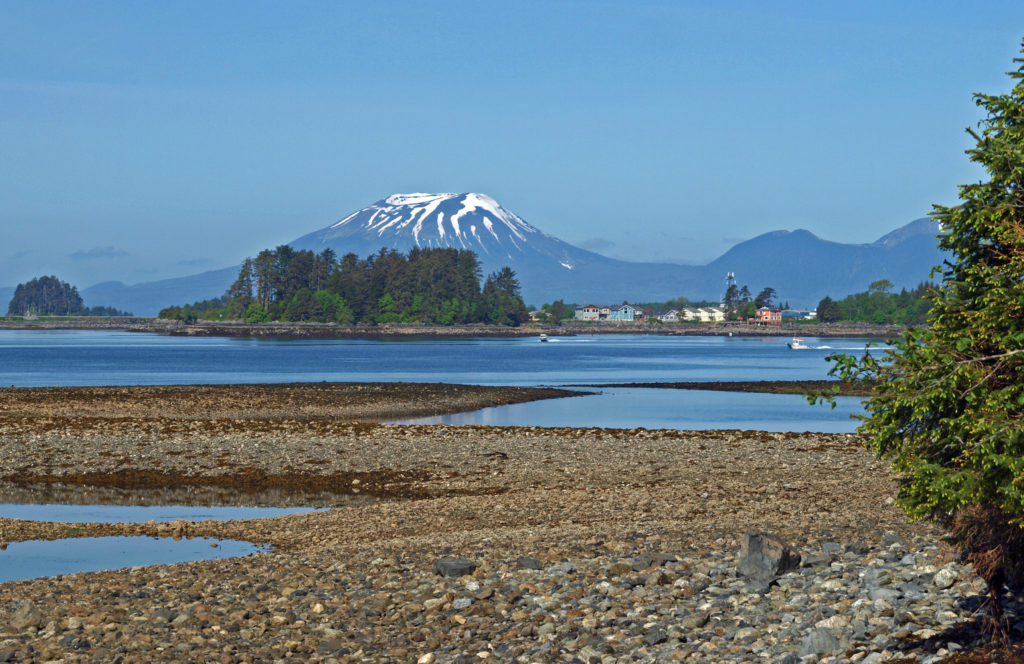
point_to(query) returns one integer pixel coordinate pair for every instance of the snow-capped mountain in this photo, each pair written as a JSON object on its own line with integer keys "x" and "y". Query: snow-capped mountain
{"x": 801, "y": 267}
{"x": 458, "y": 221}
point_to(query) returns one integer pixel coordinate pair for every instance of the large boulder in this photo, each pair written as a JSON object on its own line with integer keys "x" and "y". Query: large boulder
{"x": 819, "y": 642}
{"x": 24, "y": 616}
{"x": 454, "y": 567}
{"x": 763, "y": 557}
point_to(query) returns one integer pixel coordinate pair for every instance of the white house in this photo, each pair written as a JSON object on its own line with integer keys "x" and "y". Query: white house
{"x": 703, "y": 314}
{"x": 715, "y": 314}
{"x": 588, "y": 312}
{"x": 670, "y": 316}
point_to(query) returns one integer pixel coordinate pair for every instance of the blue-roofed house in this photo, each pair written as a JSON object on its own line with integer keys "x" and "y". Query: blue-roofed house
{"x": 625, "y": 312}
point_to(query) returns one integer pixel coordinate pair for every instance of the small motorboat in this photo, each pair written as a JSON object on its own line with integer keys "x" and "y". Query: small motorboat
{"x": 543, "y": 337}
{"x": 798, "y": 344}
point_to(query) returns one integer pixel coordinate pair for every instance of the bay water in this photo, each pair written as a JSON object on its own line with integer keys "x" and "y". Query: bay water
{"x": 77, "y": 357}
{"x": 85, "y": 357}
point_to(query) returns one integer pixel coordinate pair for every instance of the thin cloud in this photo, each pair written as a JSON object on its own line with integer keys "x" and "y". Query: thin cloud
{"x": 97, "y": 253}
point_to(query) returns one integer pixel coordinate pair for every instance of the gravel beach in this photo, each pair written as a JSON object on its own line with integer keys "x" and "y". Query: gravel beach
{"x": 565, "y": 545}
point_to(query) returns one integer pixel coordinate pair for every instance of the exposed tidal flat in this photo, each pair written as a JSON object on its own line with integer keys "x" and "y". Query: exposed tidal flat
{"x": 586, "y": 544}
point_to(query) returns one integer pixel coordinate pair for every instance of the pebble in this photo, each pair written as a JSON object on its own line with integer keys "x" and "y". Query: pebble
{"x": 576, "y": 610}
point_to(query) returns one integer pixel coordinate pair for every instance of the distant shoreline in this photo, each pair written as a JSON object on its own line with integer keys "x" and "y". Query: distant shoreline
{"x": 335, "y": 331}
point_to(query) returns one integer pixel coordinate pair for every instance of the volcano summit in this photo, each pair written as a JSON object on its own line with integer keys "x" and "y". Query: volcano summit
{"x": 459, "y": 221}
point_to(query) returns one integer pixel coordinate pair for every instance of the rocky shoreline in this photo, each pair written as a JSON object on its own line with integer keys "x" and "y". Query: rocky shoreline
{"x": 412, "y": 330}
{"x": 585, "y": 545}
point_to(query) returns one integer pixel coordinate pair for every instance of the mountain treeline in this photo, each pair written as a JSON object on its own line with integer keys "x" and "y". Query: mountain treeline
{"x": 49, "y": 296}
{"x": 878, "y": 305}
{"x": 440, "y": 286}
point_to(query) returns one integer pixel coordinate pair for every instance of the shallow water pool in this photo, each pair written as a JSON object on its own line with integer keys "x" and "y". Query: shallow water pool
{"x": 659, "y": 408}
{"x": 36, "y": 558}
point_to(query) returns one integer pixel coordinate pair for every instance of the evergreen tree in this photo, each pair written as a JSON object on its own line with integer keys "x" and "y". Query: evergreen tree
{"x": 731, "y": 300}
{"x": 263, "y": 277}
{"x": 949, "y": 400}
{"x": 242, "y": 288}
{"x": 240, "y": 293}
{"x": 324, "y": 265}
{"x": 301, "y": 307}
{"x": 348, "y": 281}
{"x": 558, "y": 311}
{"x": 501, "y": 297}
{"x": 828, "y": 310}
{"x": 765, "y": 298}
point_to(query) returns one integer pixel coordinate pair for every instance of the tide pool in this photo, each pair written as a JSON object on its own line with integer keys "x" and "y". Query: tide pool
{"x": 36, "y": 558}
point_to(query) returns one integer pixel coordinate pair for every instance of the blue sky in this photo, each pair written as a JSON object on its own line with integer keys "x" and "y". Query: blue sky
{"x": 144, "y": 140}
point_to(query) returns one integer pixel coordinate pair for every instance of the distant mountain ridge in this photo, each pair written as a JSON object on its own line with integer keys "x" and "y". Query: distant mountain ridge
{"x": 800, "y": 266}
{"x": 803, "y": 268}
{"x": 148, "y": 298}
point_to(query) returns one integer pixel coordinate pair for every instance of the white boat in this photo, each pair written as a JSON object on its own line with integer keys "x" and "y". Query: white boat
{"x": 543, "y": 337}
{"x": 797, "y": 344}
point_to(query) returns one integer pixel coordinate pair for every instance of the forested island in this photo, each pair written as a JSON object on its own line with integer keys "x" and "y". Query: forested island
{"x": 431, "y": 286}
{"x": 49, "y": 296}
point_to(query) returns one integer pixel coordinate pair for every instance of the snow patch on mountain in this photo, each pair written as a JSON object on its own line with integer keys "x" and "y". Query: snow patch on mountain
{"x": 456, "y": 217}
{"x": 416, "y": 199}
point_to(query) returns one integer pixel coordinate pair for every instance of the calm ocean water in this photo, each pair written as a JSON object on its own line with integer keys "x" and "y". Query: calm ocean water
{"x": 78, "y": 357}
{"x": 74, "y": 357}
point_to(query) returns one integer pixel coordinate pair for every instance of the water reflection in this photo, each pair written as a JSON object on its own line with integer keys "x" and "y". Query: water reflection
{"x": 36, "y": 558}
{"x": 652, "y": 408}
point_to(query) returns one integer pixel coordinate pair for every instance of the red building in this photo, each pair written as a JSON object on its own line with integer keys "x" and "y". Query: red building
{"x": 768, "y": 316}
